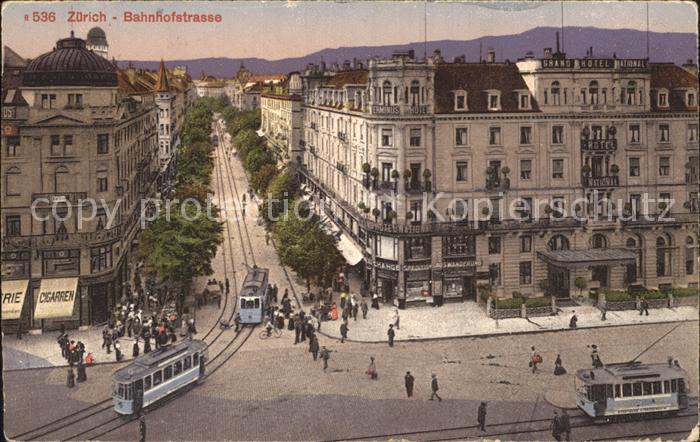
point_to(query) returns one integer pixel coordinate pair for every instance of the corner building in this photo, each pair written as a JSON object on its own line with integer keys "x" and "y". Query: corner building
{"x": 74, "y": 130}
{"x": 407, "y": 154}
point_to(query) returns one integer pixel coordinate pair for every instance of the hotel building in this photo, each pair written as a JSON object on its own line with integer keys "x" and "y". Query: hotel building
{"x": 576, "y": 158}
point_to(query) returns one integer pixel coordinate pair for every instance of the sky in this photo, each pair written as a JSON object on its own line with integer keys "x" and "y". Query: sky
{"x": 281, "y": 29}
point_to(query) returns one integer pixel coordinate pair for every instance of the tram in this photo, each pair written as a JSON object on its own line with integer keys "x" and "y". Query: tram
{"x": 254, "y": 296}
{"x": 157, "y": 374}
{"x": 631, "y": 389}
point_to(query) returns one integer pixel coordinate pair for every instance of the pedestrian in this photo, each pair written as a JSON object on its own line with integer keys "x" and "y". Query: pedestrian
{"x": 355, "y": 309}
{"x": 117, "y": 350}
{"x": 595, "y": 357}
{"x": 603, "y": 311}
{"x": 535, "y": 359}
{"x": 481, "y": 416}
{"x": 573, "y": 320}
{"x": 146, "y": 342}
{"x": 313, "y": 347}
{"x": 142, "y": 428}
{"x": 434, "y": 388}
{"x": 267, "y": 238}
{"x": 325, "y": 356}
{"x": 343, "y": 331}
{"x": 237, "y": 321}
{"x": 375, "y": 301}
{"x": 372, "y": 369}
{"x": 82, "y": 375}
{"x": 19, "y": 330}
{"x": 136, "y": 349}
{"x": 297, "y": 329}
{"x": 70, "y": 380}
{"x": 391, "y": 333}
{"x": 343, "y": 295}
{"x": 396, "y": 319}
{"x": 565, "y": 425}
{"x": 408, "y": 382}
{"x": 364, "y": 308}
{"x": 644, "y": 307}
{"x": 191, "y": 329}
{"x": 558, "y": 367}
{"x": 228, "y": 287}
{"x": 555, "y": 426}
{"x": 63, "y": 343}
{"x": 80, "y": 350}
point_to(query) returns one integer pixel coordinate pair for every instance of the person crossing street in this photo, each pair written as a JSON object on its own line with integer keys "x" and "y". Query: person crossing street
{"x": 434, "y": 387}
{"x": 408, "y": 382}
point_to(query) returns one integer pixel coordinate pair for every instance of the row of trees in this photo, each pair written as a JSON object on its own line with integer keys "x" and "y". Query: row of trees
{"x": 302, "y": 243}
{"x": 182, "y": 242}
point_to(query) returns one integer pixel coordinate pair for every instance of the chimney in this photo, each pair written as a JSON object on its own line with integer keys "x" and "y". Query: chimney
{"x": 590, "y": 51}
{"x": 691, "y": 67}
{"x": 491, "y": 56}
{"x": 558, "y": 43}
{"x": 547, "y": 53}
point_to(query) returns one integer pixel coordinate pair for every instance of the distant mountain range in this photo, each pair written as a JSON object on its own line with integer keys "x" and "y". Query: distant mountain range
{"x": 673, "y": 47}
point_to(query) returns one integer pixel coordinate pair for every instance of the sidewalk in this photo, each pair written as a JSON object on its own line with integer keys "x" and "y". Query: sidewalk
{"x": 468, "y": 319}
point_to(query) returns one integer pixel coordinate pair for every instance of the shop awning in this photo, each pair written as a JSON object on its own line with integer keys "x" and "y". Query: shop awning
{"x": 13, "y": 295}
{"x": 585, "y": 258}
{"x": 56, "y": 298}
{"x": 350, "y": 251}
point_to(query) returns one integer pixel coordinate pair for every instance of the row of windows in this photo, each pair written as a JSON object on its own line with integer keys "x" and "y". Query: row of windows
{"x": 48, "y": 101}
{"x": 634, "y": 389}
{"x": 172, "y": 370}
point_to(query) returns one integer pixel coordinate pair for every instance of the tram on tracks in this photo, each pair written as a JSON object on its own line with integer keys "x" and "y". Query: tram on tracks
{"x": 155, "y": 375}
{"x": 254, "y": 296}
{"x": 631, "y": 389}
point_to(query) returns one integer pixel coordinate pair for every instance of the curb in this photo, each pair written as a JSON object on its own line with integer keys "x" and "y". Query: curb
{"x": 489, "y": 335}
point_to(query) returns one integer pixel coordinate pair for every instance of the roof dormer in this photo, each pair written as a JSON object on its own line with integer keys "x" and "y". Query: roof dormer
{"x": 662, "y": 98}
{"x": 460, "y": 103}
{"x": 691, "y": 98}
{"x": 523, "y": 99}
{"x": 493, "y": 99}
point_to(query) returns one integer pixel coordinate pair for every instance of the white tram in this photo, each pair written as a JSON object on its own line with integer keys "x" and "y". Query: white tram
{"x": 631, "y": 388}
{"x": 155, "y": 375}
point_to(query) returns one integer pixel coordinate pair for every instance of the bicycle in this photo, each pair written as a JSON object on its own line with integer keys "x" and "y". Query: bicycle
{"x": 274, "y": 332}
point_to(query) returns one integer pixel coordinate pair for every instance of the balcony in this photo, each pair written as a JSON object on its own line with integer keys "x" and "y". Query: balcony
{"x": 384, "y": 186}
{"x": 386, "y": 110}
{"x": 603, "y": 181}
{"x": 590, "y": 145}
{"x": 414, "y": 186}
{"x": 71, "y": 198}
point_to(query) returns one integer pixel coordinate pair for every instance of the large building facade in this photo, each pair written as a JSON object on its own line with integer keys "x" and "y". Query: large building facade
{"x": 520, "y": 176}
{"x": 79, "y": 152}
{"x": 281, "y": 119}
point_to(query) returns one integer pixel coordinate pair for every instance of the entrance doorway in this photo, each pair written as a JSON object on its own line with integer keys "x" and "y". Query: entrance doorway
{"x": 387, "y": 290}
{"x": 99, "y": 306}
{"x": 600, "y": 274}
{"x": 558, "y": 282}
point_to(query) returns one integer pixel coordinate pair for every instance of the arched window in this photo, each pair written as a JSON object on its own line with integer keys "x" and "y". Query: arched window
{"x": 593, "y": 91}
{"x": 12, "y": 182}
{"x": 599, "y": 241}
{"x": 558, "y": 242}
{"x": 386, "y": 93}
{"x": 690, "y": 253}
{"x": 555, "y": 93}
{"x": 62, "y": 181}
{"x": 663, "y": 256}
{"x": 415, "y": 93}
{"x": 633, "y": 271}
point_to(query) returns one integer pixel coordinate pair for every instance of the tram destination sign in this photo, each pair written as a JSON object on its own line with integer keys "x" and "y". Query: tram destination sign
{"x": 595, "y": 63}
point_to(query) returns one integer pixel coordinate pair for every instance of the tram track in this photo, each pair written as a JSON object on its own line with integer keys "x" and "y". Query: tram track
{"x": 93, "y": 410}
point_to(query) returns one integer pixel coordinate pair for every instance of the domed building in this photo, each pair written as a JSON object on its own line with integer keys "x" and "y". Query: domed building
{"x": 97, "y": 41}
{"x": 78, "y": 137}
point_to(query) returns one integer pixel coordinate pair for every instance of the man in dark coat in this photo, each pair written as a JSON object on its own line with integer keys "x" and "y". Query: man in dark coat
{"x": 297, "y": 330}
{"x": 555, "y": 426}
{"x": 391, "y": 333}
{"x": 644, "y": 307}
{"x": 146, "y": 342}
{"x": 343, "y": 331}
{"x": 107, "y": 340}
{"x": 63, "y": 343}
{"x": 481, "y": 416}
{"x": 364, "y": 309}
{"x": 82, "y": 375}
{"x": 142, "y": 428}
{"x": 136, "y": 349}
{"x": 565, "y": 425}
{"x": 435, "y": 387}
{"x": 573, "y": 321}
{"x": 325, "y": 355}
{"x": 313, "y": 347}
{"x": 70, "y": 380}
{"x": 408, "y": 381}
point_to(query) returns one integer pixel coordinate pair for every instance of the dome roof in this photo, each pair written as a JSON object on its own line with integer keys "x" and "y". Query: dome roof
{"x": 96, "y": 36}
{"x": 70, "y": 64}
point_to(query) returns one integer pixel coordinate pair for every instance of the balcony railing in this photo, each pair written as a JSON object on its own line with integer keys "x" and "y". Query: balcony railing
{"x": 387, "y": 186}
{"x": 414, "y": 186}
{"x": 598, "y": 145}
{"x": 604, "y": 181}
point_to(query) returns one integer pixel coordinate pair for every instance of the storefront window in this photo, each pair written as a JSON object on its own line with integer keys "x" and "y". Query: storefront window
{"x": 418, "y": 248}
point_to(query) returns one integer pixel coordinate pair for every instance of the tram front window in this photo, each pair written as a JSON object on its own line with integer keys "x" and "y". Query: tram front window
{"x": 119, "y": 390}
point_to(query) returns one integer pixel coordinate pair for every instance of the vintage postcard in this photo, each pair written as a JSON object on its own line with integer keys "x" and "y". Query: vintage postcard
{"x": 350, "y": 220}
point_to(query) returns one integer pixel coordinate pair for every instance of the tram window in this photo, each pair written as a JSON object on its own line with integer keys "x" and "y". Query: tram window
{"x": 681, "y": 386}
{"x": 588, "y": 392}
{"x": 627, "y": 390}
{"x": 242, "y": 303}
{"x": 147, "y": 383}
{"x": 168, "y": 372}
{"x": 188, "y": 362}
{"x": 127, "y": 392}
{"x": 608, "y": 390}
{"x": 656, "y": 386}
{"x": 120, "y": 391}
{"x": 674, "y": 386}
{"x": 646, "y": 388}
{"x": 637, "y": 389}
{"x": 257, "y": 303}
{"x": 178, "y": 368}
{"x": 157, "y": 378}
{"x": 617, "y": 390}
{"x": 598, "y": 392}
{"x": 195, "y": 359}
{"x": 667, "y": 386}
